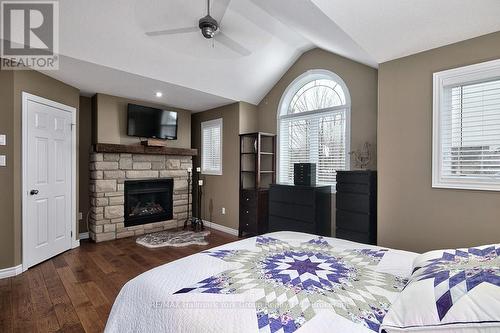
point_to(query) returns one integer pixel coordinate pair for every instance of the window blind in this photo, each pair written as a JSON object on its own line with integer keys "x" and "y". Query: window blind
{"x": 313, "y": 137}
{"x": 470, "y": 131}
{"x": 211, "y": 147}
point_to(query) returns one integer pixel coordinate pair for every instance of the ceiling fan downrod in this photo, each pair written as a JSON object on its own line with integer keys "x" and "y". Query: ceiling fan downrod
{"x": 208, "y": 24}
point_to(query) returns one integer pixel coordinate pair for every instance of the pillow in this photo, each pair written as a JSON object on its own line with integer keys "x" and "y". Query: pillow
{"x": 450, "y": 291}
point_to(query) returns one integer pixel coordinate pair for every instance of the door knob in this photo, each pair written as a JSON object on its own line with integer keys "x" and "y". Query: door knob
{"x": 34, "y": 192}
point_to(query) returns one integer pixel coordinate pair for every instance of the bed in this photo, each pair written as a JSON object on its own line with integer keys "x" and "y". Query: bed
{"x": 278, "y": 282}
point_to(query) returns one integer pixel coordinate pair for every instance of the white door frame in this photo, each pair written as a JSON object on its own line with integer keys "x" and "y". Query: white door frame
{"x": 29, "y": 97}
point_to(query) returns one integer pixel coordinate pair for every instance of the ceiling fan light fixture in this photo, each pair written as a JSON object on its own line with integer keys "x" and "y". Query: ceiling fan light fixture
{"x": 208, "y": 26}
{"x": 207, "y": 32}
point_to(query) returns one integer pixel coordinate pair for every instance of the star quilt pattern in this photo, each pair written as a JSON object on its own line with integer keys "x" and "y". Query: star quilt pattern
{"x": 457, "y": 272}
{"x": 297, "y": 281}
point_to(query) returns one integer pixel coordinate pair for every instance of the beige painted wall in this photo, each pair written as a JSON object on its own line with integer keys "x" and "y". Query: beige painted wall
{"x": 249, "y": 118}
{"x": 111, "y": 121}
{"x": 85, "y": 135}
{"x": 220, "y": 191}
{"x": 411, "y": 214}
{"x": 6, "y": 173}
{"x": 361, "y": 81}
{"x": 13, "y": 84}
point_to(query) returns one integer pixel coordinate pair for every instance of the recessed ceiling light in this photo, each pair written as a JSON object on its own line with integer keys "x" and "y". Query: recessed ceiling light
{"x": 159, "y": 94}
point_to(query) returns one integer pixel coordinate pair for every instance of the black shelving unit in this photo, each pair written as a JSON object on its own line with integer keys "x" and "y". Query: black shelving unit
{"x": 257, "y": 173}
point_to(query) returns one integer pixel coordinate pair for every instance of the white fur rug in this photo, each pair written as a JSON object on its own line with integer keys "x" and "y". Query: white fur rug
{"x": 173, "y": 238}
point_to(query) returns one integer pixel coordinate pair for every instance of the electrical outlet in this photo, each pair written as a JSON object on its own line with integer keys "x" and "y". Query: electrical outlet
{"x": 3, "y": 161}
{"x": 3, "y": 140}
{"x": 80, "y": 216}
{"x": 223, "y": 211}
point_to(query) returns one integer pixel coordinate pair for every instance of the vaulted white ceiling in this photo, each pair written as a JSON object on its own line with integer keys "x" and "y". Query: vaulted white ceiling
{"x": 104, "y": 48}
{"x": 391, "y": 29}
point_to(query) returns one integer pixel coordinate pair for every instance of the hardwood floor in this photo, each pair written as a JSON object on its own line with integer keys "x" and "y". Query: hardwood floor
{"x": 74, "y": 291}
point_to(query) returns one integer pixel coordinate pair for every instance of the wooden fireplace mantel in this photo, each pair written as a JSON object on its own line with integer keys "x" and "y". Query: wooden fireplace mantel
{"x": 140, "y": 149}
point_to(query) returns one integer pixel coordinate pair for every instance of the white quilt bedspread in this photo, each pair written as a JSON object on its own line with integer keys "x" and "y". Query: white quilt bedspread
{"x": 278, "y": 282}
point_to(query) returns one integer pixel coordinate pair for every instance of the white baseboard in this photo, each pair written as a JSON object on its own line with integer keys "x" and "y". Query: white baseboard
{"x": 75, "y": 243}
{"x": 11, "y": 271}
{"x": 83, "y": 235}
{"x": 222, "y": 228}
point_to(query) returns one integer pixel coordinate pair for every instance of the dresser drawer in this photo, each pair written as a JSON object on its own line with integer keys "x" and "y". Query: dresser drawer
{"x": 353, "y": 202}
{"x": 248, "y": 223}
{"x": 277, "y": 223}
{"x": 292, "y": 194}
{"x": 352, "y": 221}
{"x": 291, "y": 211}
{"x": 353, "y": 188}
{"x": 360, "y": 237}
{"x": 248, "y": 214}
{"x": 248, "y": 198}
{"x": 354, "y": 177}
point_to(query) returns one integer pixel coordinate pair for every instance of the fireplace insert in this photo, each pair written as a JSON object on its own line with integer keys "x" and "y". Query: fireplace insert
{"x": 148, "y": 201}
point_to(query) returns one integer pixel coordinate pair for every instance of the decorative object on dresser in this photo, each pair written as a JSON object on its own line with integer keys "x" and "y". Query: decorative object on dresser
{"x": 257, "y": 173}
{"x": 356, "y": 203}
{"x": 300, "y": 208}
{"x": 362, "y": 157}
{"x": 304, "y": 174}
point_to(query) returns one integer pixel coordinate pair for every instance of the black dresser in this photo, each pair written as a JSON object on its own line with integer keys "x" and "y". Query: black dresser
{"x": 356, "y": 205}
{"x": 300, "y": 208}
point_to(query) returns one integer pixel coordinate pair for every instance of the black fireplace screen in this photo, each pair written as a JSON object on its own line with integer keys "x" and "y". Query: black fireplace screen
{"x": 148, "y": 201}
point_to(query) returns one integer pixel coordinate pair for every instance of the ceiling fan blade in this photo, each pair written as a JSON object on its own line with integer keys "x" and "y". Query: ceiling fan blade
{"x": 172, "y": 31}
{"x": 232, "y": 44}
{"x": 219, "y": 8}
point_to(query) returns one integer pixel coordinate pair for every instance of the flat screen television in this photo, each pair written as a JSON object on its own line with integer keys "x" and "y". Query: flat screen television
{"x": 146, "y": 122}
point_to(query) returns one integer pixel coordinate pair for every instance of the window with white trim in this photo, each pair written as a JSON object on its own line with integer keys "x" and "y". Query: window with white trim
{"x": 313, "y": 121}
{"x": 211, "y": 147}
{"x": 466, "y": 128}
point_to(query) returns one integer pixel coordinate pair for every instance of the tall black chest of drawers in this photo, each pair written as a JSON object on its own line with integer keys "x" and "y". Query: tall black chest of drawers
{"x": 356, "y": 206}
{"x": 253, "y": 212}
{"x": 300, "y": 208}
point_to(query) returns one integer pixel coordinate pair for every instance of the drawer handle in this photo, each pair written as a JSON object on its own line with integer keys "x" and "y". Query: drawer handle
{"x": 246, "y": 212}
{"x": 246, "y": 224}
{"x": 248, "y": 199}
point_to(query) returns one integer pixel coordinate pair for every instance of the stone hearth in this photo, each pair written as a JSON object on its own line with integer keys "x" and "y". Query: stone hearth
{"x": 108, "y": 172}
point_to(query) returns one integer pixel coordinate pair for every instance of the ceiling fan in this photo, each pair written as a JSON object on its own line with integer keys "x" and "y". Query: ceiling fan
{"x": 210, "y": 29}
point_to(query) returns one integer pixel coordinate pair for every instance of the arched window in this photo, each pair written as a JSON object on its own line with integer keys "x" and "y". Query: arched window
{"x": 314, "y": 126}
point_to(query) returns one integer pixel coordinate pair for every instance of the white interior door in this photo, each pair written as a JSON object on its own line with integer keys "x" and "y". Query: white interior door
{"x": 47, "y": 165}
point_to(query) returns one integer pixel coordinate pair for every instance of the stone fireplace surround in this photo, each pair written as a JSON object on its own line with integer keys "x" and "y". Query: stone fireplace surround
{"x": 112, "y": 165}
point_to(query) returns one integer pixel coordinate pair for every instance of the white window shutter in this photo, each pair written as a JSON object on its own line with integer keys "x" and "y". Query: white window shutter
{"x": 211, "y": 147}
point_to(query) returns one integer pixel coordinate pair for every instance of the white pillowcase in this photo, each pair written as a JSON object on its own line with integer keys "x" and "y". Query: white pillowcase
{"x": 456, "y": 290}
